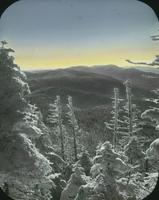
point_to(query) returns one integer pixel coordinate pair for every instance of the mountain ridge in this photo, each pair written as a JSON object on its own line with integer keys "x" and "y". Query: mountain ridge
{"x": 90, "y": 87}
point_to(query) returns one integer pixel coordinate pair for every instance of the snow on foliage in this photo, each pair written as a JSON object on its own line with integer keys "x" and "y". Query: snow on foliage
{"x": 133, "y": 151}
{"x": 152, "y": 154}
{"x": 85, "y": 162}
{"x": 108, "y": 161}
{"x": 55, "y": 119}
{"x": 152, "y": 114}
{"x": 74, "y": 125}
{"x": 21, "y": 164}
{"x": 139, "y": 185}
{"x": 30, "y": 131}
{"x": 114, "y": 124}
{"x": 153, "y": 151}
{"x": 100, "y": 188}
{"x": 36, "y": 161}
{"x": 125, "y": 119}
{"x": 76, "y": 180}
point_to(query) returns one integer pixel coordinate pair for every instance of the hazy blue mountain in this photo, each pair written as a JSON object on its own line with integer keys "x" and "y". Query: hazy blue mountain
{"x": 91, "y": 89}
{"x": 90, "y": 86}
{"x": 140, "y": 79}
{"x": 154, "y": 70}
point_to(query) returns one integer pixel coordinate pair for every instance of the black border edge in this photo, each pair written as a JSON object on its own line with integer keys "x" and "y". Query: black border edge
{"x": 4, "y": 4}
{"x": 154, "y": 4}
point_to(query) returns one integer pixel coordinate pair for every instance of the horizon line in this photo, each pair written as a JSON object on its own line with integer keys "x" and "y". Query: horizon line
{"x": 76, "y": 66}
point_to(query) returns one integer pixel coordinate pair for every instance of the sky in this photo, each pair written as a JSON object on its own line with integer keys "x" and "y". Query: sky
{"x": 49, "y": 34}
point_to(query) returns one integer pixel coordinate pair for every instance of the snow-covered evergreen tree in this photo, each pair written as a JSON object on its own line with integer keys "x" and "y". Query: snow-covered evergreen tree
{"x": 152, "y": 155}
{"x": 125, "y": 120}
{"x": 113, "y": 125}
{"x": 102, "y": 184}
{"x": 150, "y": 121}
{"x": 129, "y": 123}
{"x": 85, "y": 162}
{"x": 152, "y": 115}
{"x": 13, "y": 88}
{"x": 128, "y": 107}
{"x": 55, "y": 119}
{"x": 133, "y": 151}
{"x": 76, "y": 180}
{"x": 74, "y": 125}
{"x": 21, "y": 164}
{"x": 108, "y": 160}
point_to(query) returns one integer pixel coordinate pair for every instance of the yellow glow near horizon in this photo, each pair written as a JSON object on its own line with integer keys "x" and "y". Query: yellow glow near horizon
{"x": 62, "y": 59}
{"x": 57, "y": 34}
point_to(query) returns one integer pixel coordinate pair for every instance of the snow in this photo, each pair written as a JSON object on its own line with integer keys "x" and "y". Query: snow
{"x": 30, "y": 130}
{"x": 156, "y": 101}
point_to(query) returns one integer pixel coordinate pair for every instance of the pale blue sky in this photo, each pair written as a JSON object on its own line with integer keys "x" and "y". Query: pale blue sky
{"x": 59, "y": 33}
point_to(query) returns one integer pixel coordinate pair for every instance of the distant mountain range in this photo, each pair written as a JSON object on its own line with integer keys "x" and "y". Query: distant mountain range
{"x": 90, "y": 86}
{"x": 154, "y": 70}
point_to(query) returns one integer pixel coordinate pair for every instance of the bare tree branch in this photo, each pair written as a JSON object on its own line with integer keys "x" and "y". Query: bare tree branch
{"x": 155, "y": 37}
{"x": 153, "y": 63}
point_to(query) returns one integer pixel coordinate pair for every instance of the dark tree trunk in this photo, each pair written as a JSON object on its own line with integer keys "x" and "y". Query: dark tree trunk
{"x": 62, "y": 143}
{"x": 75, "y": 144}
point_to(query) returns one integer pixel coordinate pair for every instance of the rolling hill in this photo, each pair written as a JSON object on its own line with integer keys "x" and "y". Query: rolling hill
{"x": 91, "y": 89}
{"x": 90, "y": 86}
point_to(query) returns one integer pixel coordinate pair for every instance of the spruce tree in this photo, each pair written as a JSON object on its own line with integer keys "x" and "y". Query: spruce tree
{"x": 55, "y": 118}
{"x": 85, "y": 162}
{"x": 13, "y": 89}
{"x": 113, "y": 125}
{"x": 133, "y": 151}
{"x": 152, "y": 155}
{"x": 21, "y": 164}
{"x": 128, "y": 107}
{"x": 130, "y": 124}
{"x": 74, "y": 125}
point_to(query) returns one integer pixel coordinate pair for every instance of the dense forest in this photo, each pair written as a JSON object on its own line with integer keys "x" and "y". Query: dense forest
{"x": 56, "y": 151}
